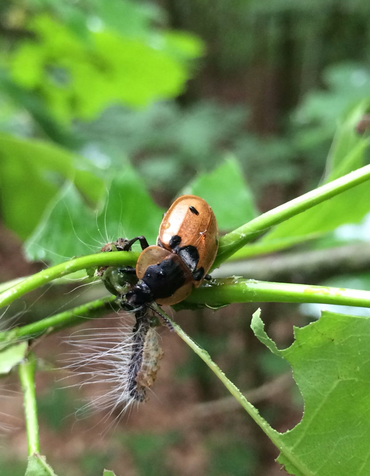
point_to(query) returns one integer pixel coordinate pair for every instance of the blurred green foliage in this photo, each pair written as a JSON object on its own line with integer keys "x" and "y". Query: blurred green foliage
{"x": 90, "y": 461}
{"x": 32, "y": 172}
{"x": 315, "y": 119}
{"x": 76, "y": 74}
{"x": 79, "y": 67}
{"x": 9, "y": 467}
{"x": 167, "y": 143}
{"x": 347, "y": 153}
{"x": 230, "y": 456}
{"x": 149, "y": 451}
{"x": 128, "y": 211}
{"x": 56, "y": 408}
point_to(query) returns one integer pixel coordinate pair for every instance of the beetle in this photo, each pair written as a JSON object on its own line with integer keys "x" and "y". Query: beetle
{"x": 186, "y": 248}
{"x": 189, "y": 228}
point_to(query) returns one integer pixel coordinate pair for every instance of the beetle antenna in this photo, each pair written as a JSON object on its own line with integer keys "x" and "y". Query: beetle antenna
{"x": 157, "y": 310}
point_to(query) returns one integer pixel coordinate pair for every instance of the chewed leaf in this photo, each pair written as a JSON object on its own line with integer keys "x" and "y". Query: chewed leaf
{"x": 331, "y": 364}
{"x": 37, "y": 466}
{"x": 258, "y": 327}
{"x": 12, "y": 356}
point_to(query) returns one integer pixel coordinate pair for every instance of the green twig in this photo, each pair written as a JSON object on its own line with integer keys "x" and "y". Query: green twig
{"x": 115, "y": 258}
{"x": 230, "y": 290}
{"x": 236, "y": 239}
{"x": 222, "y": 292}
{"x": 27, "y": 378}
{"x": 229, "y": 244}
{"x": 76, "y": 315}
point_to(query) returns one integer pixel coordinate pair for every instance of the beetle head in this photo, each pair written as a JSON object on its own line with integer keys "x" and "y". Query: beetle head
{"x": 139, "y": 295}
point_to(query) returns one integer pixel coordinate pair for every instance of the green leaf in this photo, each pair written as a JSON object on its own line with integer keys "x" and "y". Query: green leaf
{"x": 12, "y": 356}
{"x": 258, "y": 328}
{"x": 70, "y": 228}
{"x": 227, "y": 193}
{"x": 347, "y": 154}
{"x": 126, "y": 17}
{"x": 37, "y": 466}
{"x": 331, "y": 364}
{"x": 347, "y": 84}
{"x": 183, "y": 44}
{"x": 108, "y": 473}
{"x": 261, "y": 248}
{"x": 347, "y": 151}
{"x": 31, "y": 172}
{"x": 81, "y": 78}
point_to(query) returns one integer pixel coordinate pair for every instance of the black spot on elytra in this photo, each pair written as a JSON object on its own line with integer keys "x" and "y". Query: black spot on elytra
{"x": 190, "y": 256}
{"x": 193, "y": 210}
{"x": 175, "y": 241}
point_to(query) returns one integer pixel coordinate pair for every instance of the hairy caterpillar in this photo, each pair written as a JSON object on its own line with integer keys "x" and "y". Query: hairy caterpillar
{"x": 121, "y": 361}
{"x": 145, "y": 358}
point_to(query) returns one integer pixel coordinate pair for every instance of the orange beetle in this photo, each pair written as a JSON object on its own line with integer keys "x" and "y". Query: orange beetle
{"x": 186, "y": 249}
{"x": 189, "y": 229}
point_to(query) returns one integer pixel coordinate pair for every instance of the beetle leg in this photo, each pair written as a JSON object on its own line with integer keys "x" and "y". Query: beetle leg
{"x": 198, "y": 274}
{"x": 208, "y": 277}
{"x": 167, "y": 322}
{"x": 142, "y": 240}
{"x": 155, "y": 308}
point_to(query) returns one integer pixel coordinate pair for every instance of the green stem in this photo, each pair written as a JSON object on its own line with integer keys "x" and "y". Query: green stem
{"x": 77, "y": 315}
{"x": 114, "y": 258}
{"x": 230, "y": 290}
{"x": 27, "y": 378}
{"x": 229, "y": 244}
{"x": 222, "y": 292}
{"x": 236, "y": 239}
{"x": 236, "y": 393}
